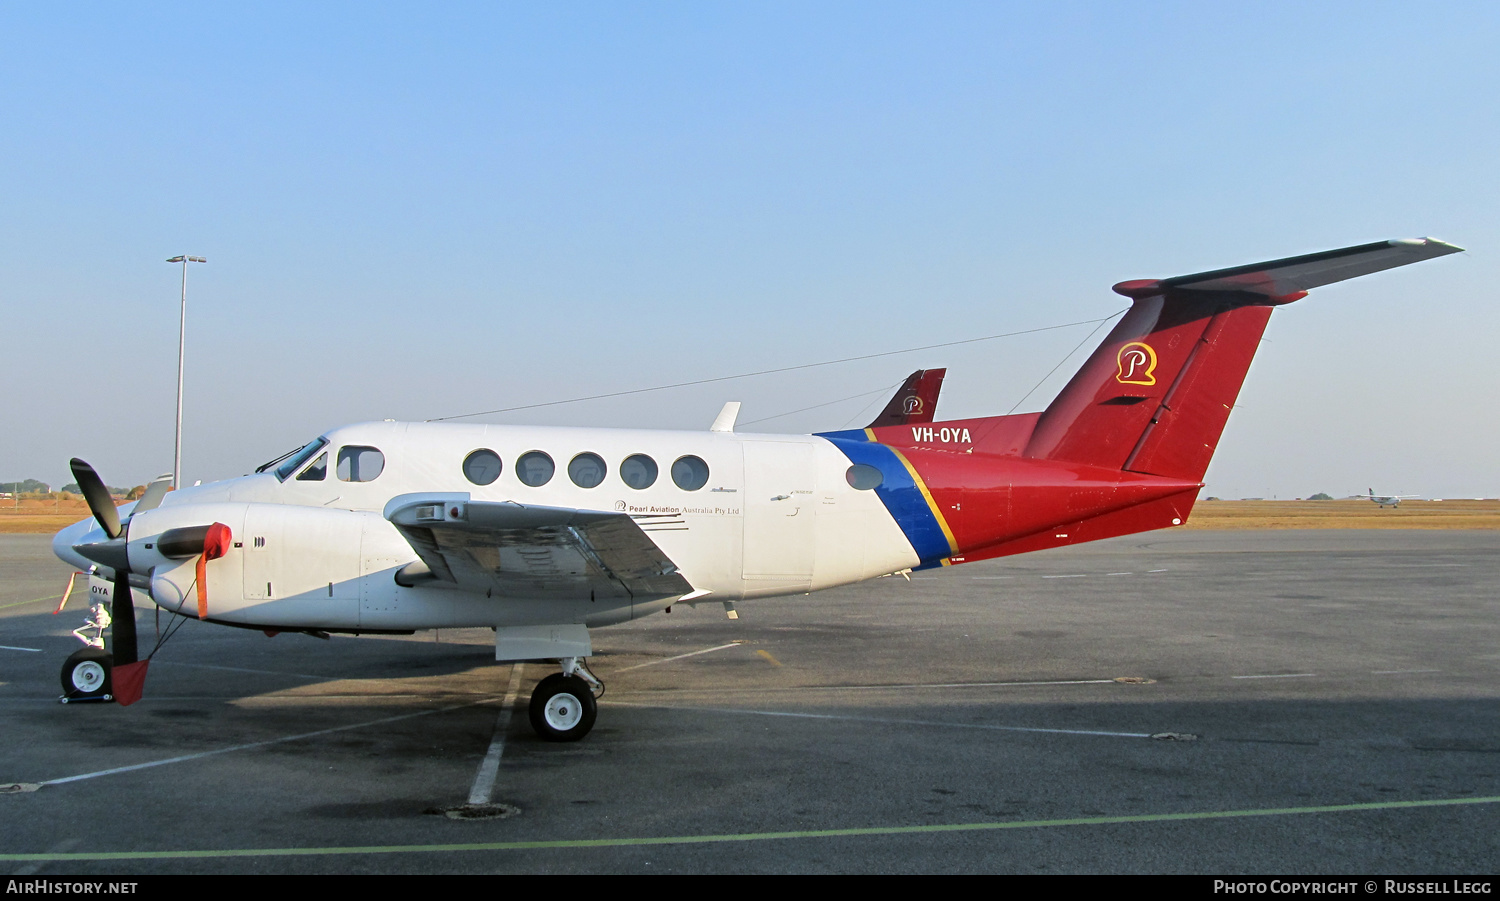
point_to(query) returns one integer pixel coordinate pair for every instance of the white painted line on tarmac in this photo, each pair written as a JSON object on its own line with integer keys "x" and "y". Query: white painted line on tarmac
{"x": 1074, "y": 576}
{"x": 1119, "y": 574}
{"x": 1156, "y": 570}
{"x": 1277, "y": 676}
{"x": 1401, "y": 672}
{"x": 6, "y": 647}
{"x": 483, "y": 790}
{"x": 259, "y": 744}
{"x": 885, "y": 721}
{"x": 732, "y": 644}
{"x": 807, "y": 689}
{"x": 964, "y": 684}
{"x": 990, "y": 578}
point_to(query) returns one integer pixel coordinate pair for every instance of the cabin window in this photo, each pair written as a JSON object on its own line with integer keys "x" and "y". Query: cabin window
{"x": 317, "y": 471}
{"x": 638, "y": 471}
{"x": 586, "y": 470}
{"x": 864, "y": 477}
{"x": 535, "y": 469}
{"x": 690, "y": 473}
{"x": 360, "y": 464}
{"x": 482, "y": 467}
{"x": 296, "y": 459}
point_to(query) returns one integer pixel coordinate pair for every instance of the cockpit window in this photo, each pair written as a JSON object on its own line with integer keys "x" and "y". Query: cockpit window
{"x": 360, "y": 464}
{"x": 317, "y": 471}
{"x": 295, "y": 460}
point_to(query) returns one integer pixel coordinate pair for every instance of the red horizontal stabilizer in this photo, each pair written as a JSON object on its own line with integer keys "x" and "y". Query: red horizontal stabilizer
{"x": 1294, "y": 275}
{"x": 129, "y": 682}
{"x": 915, "y": 401}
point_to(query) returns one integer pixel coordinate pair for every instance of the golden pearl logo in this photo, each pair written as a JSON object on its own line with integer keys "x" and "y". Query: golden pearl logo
{"x": 1137, "y": 364}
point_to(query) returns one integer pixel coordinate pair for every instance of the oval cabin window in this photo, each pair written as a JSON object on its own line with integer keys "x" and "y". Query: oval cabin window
{"x": 535, "y": 469}
{"x": 638, "y": 471}
{"x": 482, "y": 467}
{"x": 690, "y": 473}
{"x": 864, "y": 477}
{"x": 586, "y": 470}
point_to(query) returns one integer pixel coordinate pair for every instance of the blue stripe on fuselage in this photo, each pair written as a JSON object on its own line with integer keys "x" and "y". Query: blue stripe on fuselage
{"x": 899, "y": 492}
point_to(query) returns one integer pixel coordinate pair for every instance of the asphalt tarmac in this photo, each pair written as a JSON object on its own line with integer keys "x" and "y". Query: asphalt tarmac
{"x": 1318, "y": 702}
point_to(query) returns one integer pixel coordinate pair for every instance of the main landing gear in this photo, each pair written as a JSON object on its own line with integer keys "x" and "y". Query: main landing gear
{"x": 563, "y": 705}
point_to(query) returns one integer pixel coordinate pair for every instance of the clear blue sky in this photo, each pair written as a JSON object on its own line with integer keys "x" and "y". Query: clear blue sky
{"x": 414, "y": 211}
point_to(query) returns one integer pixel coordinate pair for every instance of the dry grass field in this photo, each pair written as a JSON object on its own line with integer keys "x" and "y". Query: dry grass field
{"x": 43, "y": 516}
{"x": 1345, "y": 514}
{"x": 38, "y": 516}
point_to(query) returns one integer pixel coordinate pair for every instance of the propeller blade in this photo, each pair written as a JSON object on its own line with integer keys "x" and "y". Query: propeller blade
{"x": 122, "y": 625}
{"x": 154, "y": 493}
{"x": 97, "y": 496}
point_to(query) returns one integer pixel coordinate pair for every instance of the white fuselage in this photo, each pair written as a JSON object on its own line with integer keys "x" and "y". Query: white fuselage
{"x": 776, "y": 516}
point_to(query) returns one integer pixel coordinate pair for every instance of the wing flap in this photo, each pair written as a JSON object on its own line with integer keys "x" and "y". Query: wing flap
{"x": 549, "y": 553}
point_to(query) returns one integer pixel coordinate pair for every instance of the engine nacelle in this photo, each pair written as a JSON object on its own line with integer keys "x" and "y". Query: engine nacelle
{"x": 291, "y": 566}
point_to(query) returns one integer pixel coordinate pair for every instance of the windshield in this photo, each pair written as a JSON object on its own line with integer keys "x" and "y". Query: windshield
{"x": 295, "y": 459}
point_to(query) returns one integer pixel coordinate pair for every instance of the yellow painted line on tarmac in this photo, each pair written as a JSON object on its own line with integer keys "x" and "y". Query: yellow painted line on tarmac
{"x": 934, "y": 829}
{"x": 50, "y": 597}
{"x": 767, "y": 654}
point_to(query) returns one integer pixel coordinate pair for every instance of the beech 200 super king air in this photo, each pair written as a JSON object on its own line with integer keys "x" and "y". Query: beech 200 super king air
{"x": 544, "y": 534}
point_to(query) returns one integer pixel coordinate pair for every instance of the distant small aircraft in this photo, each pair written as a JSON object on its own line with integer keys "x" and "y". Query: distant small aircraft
{"x": 1387, "y": 500}
{"x": 545, "y": 534}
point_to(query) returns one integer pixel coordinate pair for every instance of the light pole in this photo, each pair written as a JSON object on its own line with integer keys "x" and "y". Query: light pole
{"x": 181, "y": 347}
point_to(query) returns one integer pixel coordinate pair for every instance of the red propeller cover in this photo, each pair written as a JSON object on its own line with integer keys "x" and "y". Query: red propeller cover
{"x": 216, "y": 542}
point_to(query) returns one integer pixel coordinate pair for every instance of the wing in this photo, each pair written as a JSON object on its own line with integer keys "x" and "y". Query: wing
{"x": 547, "y": 553}
{"x": 1281, "y": 277}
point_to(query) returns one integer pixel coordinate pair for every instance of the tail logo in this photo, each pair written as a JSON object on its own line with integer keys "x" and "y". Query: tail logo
{"x": 1137, "y": 364}
{"x": 911, "y": 405}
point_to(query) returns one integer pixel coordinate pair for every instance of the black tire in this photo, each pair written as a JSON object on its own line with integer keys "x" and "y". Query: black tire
{"x": 86, "y": 674}
{"x": 562, "y": 708}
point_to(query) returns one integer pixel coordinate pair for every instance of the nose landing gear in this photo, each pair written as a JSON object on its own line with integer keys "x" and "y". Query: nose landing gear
{"x": 86, "y": 676}
{"x": 563, "y": 705}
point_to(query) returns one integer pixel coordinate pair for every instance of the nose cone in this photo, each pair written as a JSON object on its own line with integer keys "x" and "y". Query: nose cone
{"x": 85, "y": 531}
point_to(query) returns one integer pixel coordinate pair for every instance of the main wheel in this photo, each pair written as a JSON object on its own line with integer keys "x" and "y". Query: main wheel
{"x": 85, "y": 674}
{"x": 562, "y": 708}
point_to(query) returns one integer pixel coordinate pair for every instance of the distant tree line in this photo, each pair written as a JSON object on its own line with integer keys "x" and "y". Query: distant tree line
{"x": 26, "y": 486}
{"x": 32, "y": 486}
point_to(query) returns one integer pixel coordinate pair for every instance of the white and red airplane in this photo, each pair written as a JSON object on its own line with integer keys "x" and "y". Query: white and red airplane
{"x": 544, "y": 534}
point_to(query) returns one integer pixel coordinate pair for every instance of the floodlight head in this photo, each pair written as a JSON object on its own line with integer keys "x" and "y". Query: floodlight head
{"x": 175, "y": 259}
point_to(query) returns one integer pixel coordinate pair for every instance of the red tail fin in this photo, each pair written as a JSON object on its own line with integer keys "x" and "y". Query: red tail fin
{"x": 1155, "y": 395}
{"x": 915, "y": 401}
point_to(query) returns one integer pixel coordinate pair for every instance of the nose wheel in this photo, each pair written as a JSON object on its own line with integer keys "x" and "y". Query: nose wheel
{"x": 86, "y": 676}
{"x": 562, "y": 705}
